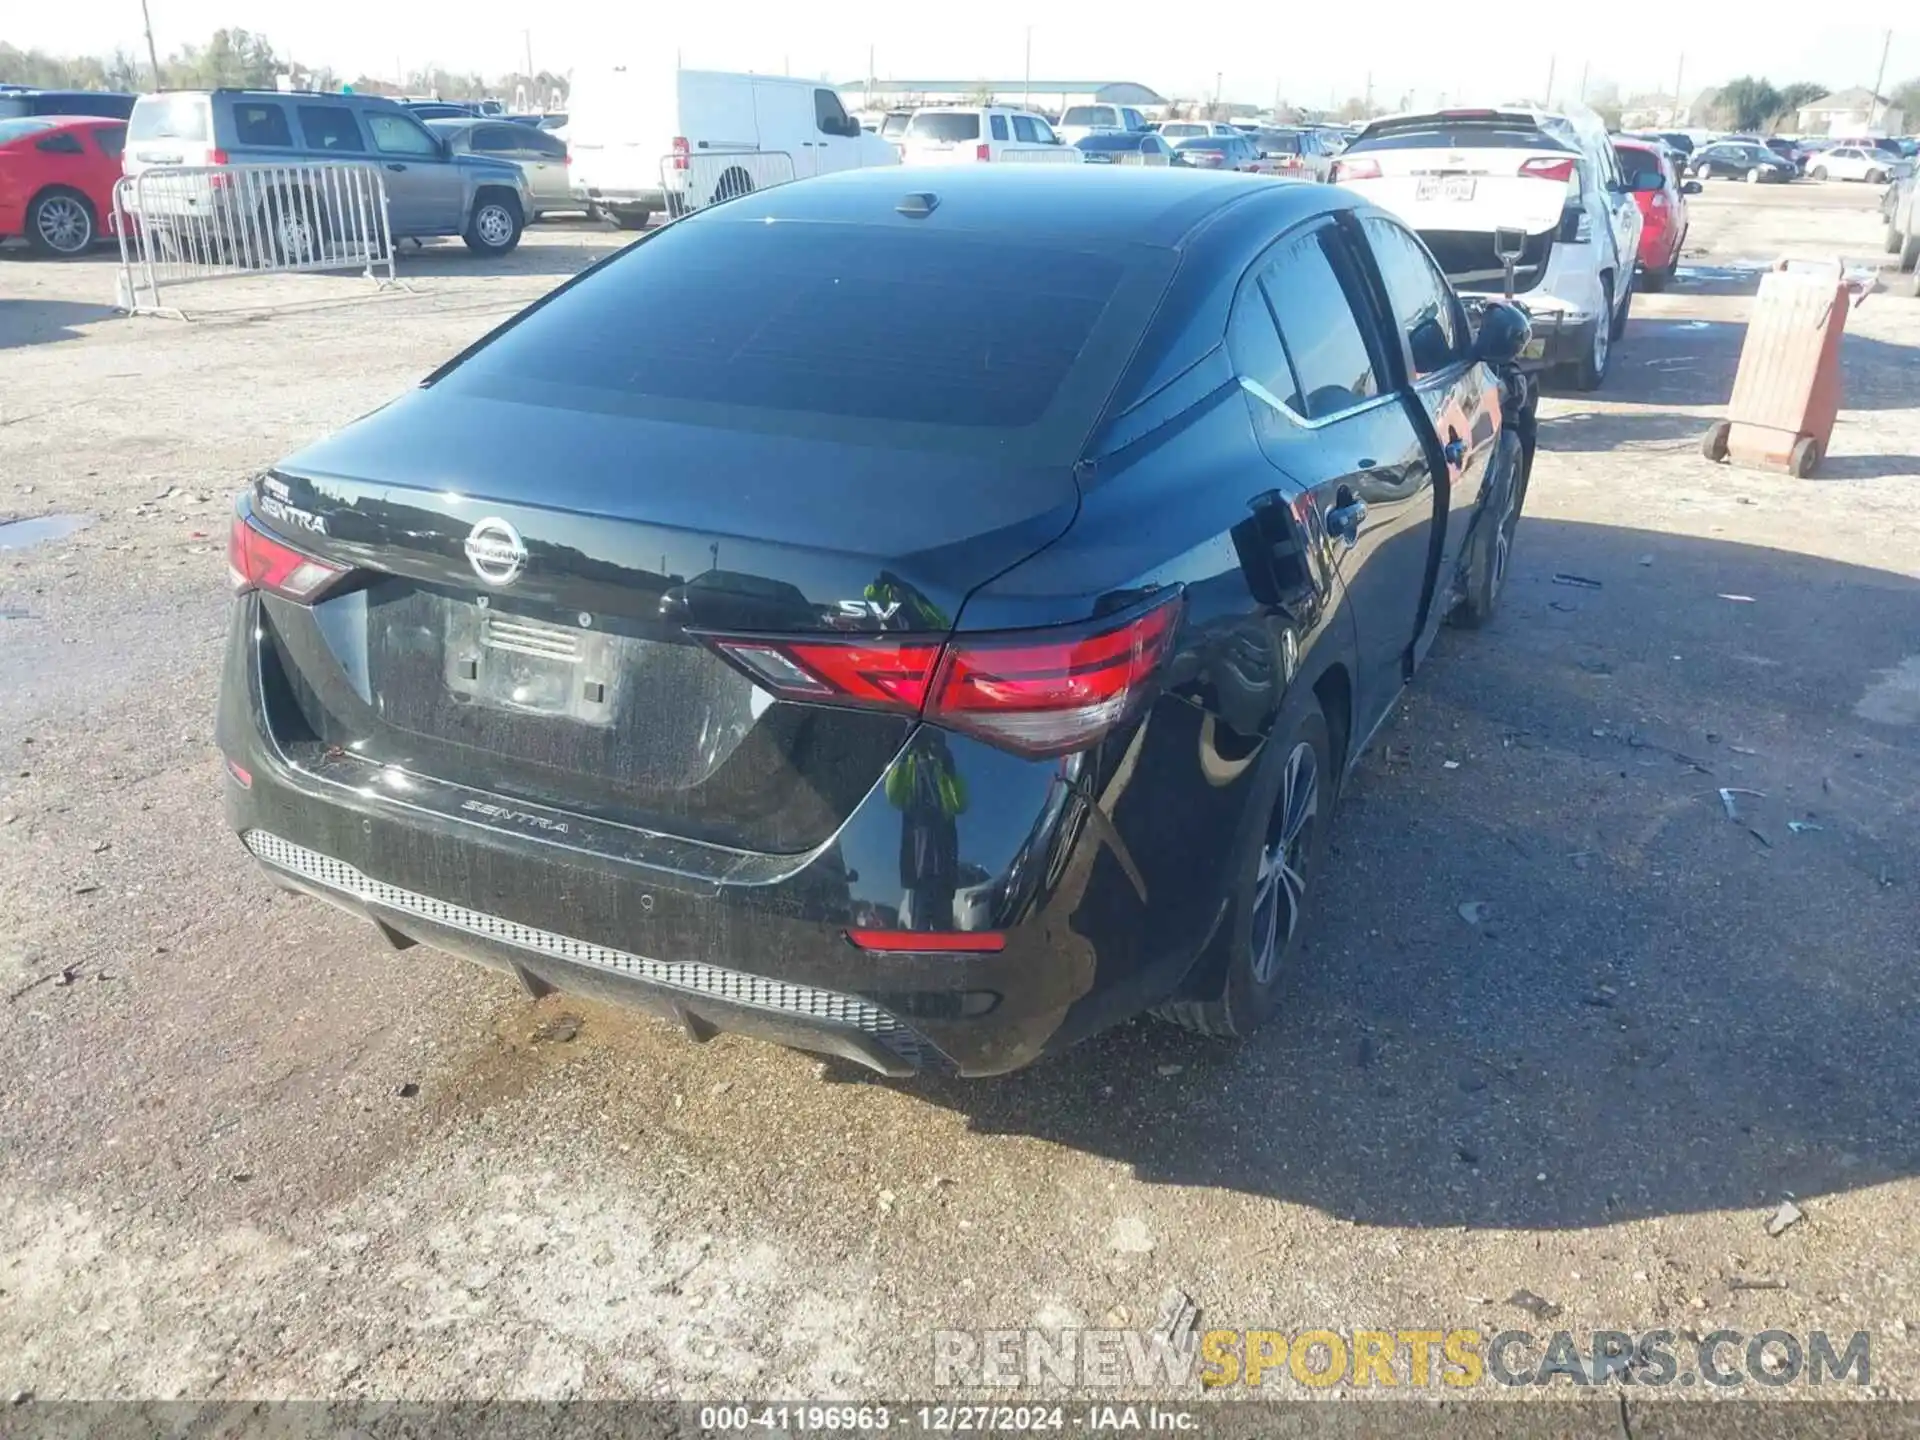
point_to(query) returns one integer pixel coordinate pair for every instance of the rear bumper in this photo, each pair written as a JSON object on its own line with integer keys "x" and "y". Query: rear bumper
{"x": 760, "y": 949}
{"x": 652, "y": 200}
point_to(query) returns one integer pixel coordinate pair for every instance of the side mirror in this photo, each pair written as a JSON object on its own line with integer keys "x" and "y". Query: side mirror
{"x": 1428, "y": 343}
{"x": 1503, "y": 335}
{"x": 1692, "y": 187}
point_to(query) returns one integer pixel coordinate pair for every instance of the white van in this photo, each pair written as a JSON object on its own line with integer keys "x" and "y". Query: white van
{"x": 645, "y": 139}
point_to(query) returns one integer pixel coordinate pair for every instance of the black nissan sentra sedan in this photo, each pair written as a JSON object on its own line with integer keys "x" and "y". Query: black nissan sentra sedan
{"x": 922, "y": 616}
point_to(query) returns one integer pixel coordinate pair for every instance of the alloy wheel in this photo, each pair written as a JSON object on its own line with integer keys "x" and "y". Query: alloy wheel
{"x": 1602, "y": 339}
{"x": 1280, "y": 884}
{"x": 494, "y": 225}
{"x": 64, "y": 224}
{"x": 1503, "y": 537}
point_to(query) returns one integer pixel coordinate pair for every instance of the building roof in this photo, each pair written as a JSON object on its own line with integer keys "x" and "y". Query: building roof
{"x": 1855, "y": 98}
{"x": 1110, "y": 92}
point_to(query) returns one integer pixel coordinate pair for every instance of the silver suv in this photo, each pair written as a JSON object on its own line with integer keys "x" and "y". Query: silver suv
{"x": 431, "y": 189}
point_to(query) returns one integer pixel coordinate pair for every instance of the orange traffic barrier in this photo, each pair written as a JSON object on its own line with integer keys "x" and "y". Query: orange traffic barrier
{"x": 1787, "y": 391}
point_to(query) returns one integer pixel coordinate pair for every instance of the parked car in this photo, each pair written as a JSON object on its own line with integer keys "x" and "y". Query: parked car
{"x": 1741, "y": 160}
{"x": 18, "y": 102}
{"x": 1079, "y": 120}
{"x": 542, "y": 158}
{"x": 935, "y": 707}
{"x": 1460, "y": 177}
{"x": 641, "y": 136}
{"x": 1856, "y": 162}
{"x": 1297, "y": 152}
{"x": 1225, "y": 152}
{"x": 440, "y": 109}
{"x": 1662, "y": 197}
{"x": 431, "y": 191}
{"x": 1126, "y": 147}
{"x": 894, "y": 126}
{"x": 57, "y": 175}
{"x": 961, "y": 134}
{"x": 1174, "y": 131}
{"x": 1903, "y": 223}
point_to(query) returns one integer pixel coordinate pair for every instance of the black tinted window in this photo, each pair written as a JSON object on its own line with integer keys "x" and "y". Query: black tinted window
{"x": 490, "y": 139}
{"x": 330, "y": 127}
{"x": 551, "y": 146}
{"x": 260, "y": 123}
{"x": 1324, "y": 340}
{"x": 65, "y": 143}
{"x": 1423, "y": 307}
{"x": 966, "y": 332}
{"x": 999, "y": 126}
{"x": 948, "y": 127}
{"x": 829, "y": 115}
{"x": 1023, "y": 129}
{"x": 1254, "y": 345}
{"x": 1640, "y": 168}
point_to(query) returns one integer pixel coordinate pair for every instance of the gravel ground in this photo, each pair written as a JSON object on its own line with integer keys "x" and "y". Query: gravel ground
{"x": 247, "y": 1152}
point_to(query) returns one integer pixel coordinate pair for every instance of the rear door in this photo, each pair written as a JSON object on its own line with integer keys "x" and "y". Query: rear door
{"x": 1460, "y": 396}
{"x": 1308, "y": 350}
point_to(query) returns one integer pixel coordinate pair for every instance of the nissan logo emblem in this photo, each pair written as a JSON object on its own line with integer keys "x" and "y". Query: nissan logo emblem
{"x": 496, "y": 552}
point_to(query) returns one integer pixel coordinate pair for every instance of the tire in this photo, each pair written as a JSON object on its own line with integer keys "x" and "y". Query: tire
{"x": 1894, "y": 240}
{"x": 1753, "y": 176}
{"x": 1493, "y": 548}
{"x": 630, "y": 219}
{"x": 1287, "y": 821}
{"x": 1910, "y": 252}
{"x": 61, "y": 224}
{"x": 1804, "y": 458}
{"x": 287, "y": 228}
{"x": 1876, "y": 177}
{"x": 1590, "y": 370}
{"x": 1820, "y": 172}
{"x": 1617, "y": 327}
{"x": 495, "y": 226}
{"x": 1713, "y": 444}
{"x": 734, "y": 183}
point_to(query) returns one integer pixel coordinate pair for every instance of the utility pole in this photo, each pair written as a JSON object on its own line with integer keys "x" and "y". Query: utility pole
{"x": 1584, "y": 64}
{"x": 1026, "y": 85}
{"x": 1679, "y": 74}
{"x": 869, "y": 77}
{"x": 527, "y": 35}
{"x": 153, "y": 55}
{"x": 1879, "y": 79}
{"x": 1366, "y": 111}
{"x": 1552, "y": 61}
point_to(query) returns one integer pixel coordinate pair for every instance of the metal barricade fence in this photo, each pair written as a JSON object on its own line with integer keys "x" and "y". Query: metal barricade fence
{"x": 1051, "y": 155}
{"x": 694, "y": 181}
{"x": 179, "y": 224}
{"x": 1135, "y": 157}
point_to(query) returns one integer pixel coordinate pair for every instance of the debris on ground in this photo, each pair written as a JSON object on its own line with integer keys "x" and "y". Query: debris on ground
{"x": 1742, "y": 1282}
{"x": 1537, "y": 1306}
{"x": 1449, "y": 764}
{"x": 1476, "y": 912}
{"x": 1801, "y": 827}
{"x": 1163, "y": 1071}
{"x": 1738, "y": 599}
{"x": 562, "y": 1030}
{"x": 885, "y": 1200}
{"x": 1784, "y": 1219}
{"x": 1727, "y": 792}
{"x": 1579, "y": 582}
{"x": 1176, "y": 1318}
{"x": 406, "y": 1091}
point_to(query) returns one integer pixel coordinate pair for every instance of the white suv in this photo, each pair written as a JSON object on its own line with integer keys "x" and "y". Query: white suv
{"x": 959, "y": 134}
{"x": 1460, "y": 177}
{"x": 1079, "y": 121}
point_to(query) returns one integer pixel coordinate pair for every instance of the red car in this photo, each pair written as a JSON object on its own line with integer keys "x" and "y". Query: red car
{"x": 1662, "y": 197}
{"x": 56, "y": 180}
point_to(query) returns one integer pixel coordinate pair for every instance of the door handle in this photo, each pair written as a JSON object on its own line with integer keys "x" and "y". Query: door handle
{"x": 1455, "y": 450}
{"x": 396, "y": 168}
{"x": 1345, "y": 515}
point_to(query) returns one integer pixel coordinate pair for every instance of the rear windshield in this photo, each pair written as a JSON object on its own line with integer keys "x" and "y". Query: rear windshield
{"x": 963, "y": 342}
{"x": 943, "y": 127}
{"x": 1279, "y": 142}
{"x": 1089, "y": 115}
{"x": 1458, "y": 135}
{"x": 26, "y": 125}
{"x": 1177, "y": 127}
{"x": 894, "y": 125}
{"x": 1641, "y": 168}
{"x": 169, "y": 117}
{"x": 1116, "y": 141}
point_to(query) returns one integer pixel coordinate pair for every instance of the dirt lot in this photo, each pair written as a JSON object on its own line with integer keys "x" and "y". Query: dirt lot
{"x": 219, "y": 1180}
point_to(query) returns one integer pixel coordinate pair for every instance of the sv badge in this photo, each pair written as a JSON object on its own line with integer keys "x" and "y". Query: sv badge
{"x": 869, "y": 610}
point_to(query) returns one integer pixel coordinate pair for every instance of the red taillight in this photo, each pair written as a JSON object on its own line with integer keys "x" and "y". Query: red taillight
{"x": 983, "y": 151}
{"x": 929, "y": 942}
{"x": 217, "y": 157}
{"x": 1546, "y": 167}
{"x": 680, "y": 152}
{"x": 1356, "y": 170}
{"x": 1039, "y": 692}
{"x": 257, "y": 561}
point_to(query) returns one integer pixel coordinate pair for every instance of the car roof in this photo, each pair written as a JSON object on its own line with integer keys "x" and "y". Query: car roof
{"x": 1634, "y": 142}
{"x": 1161, "y": 207}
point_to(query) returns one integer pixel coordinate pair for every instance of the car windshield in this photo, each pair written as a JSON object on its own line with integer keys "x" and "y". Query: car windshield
{"x": 980, "y": 343}
{"x": 25, "y": 125}
{"x": 1089, "y": 115}
{"x": 169, "y": 117}
{"x": 944, "y": 126}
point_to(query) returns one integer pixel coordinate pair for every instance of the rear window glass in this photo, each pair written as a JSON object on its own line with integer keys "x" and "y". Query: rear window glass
{"x": 947, "y": 341}
{"x": 945, "y": 127}
{"x": 260, "y": 123}
{"x": 169, "y": 117}
{"x": 24, "y": 125}
{"x": 112, "y": 140}
{"x": 1088, "y": 115}
{"x": 1129, "y": 140}
{"x": 1458, "y": 135}
{"x": 1641, "y": 168}
{"x": 330, "y": 127}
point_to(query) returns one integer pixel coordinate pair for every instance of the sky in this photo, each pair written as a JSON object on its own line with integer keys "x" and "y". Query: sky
{"x": 1307, "y": 53}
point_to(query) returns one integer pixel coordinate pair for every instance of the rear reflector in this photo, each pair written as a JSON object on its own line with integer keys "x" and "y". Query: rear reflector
{"x": 1543, "y": 167}
{"x": 257, "y": 561}
{"x": 1356, "y": 170}
{"x": 1039, "y": 692}
{"x": 930, "y": 942}
{"x": 983, "y": 151}
{"x": 681, "y": 152}
{"x": 241, "y": 775}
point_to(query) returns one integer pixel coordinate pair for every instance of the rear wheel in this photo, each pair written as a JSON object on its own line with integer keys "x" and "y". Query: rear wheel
{"x": 1910, "y": 251}
{"x": 1487, "y": 576}
{"x": 61, "y": 224}
{"x": 290, "y": 227}
{"x": 1819, "y": 172}
{"x": 1277, "y": 862}
{"x": 1876, "y": 177}
{"x": 733, "y": 184}
{"x": 1618, "y": 325}
{"x": 495, "y": 226}
{"x": 1893, "y": 240}
{"x": 630, "y": 219}
{"x": 1590, "y": 370}
{"x": 1753, "y": 176}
